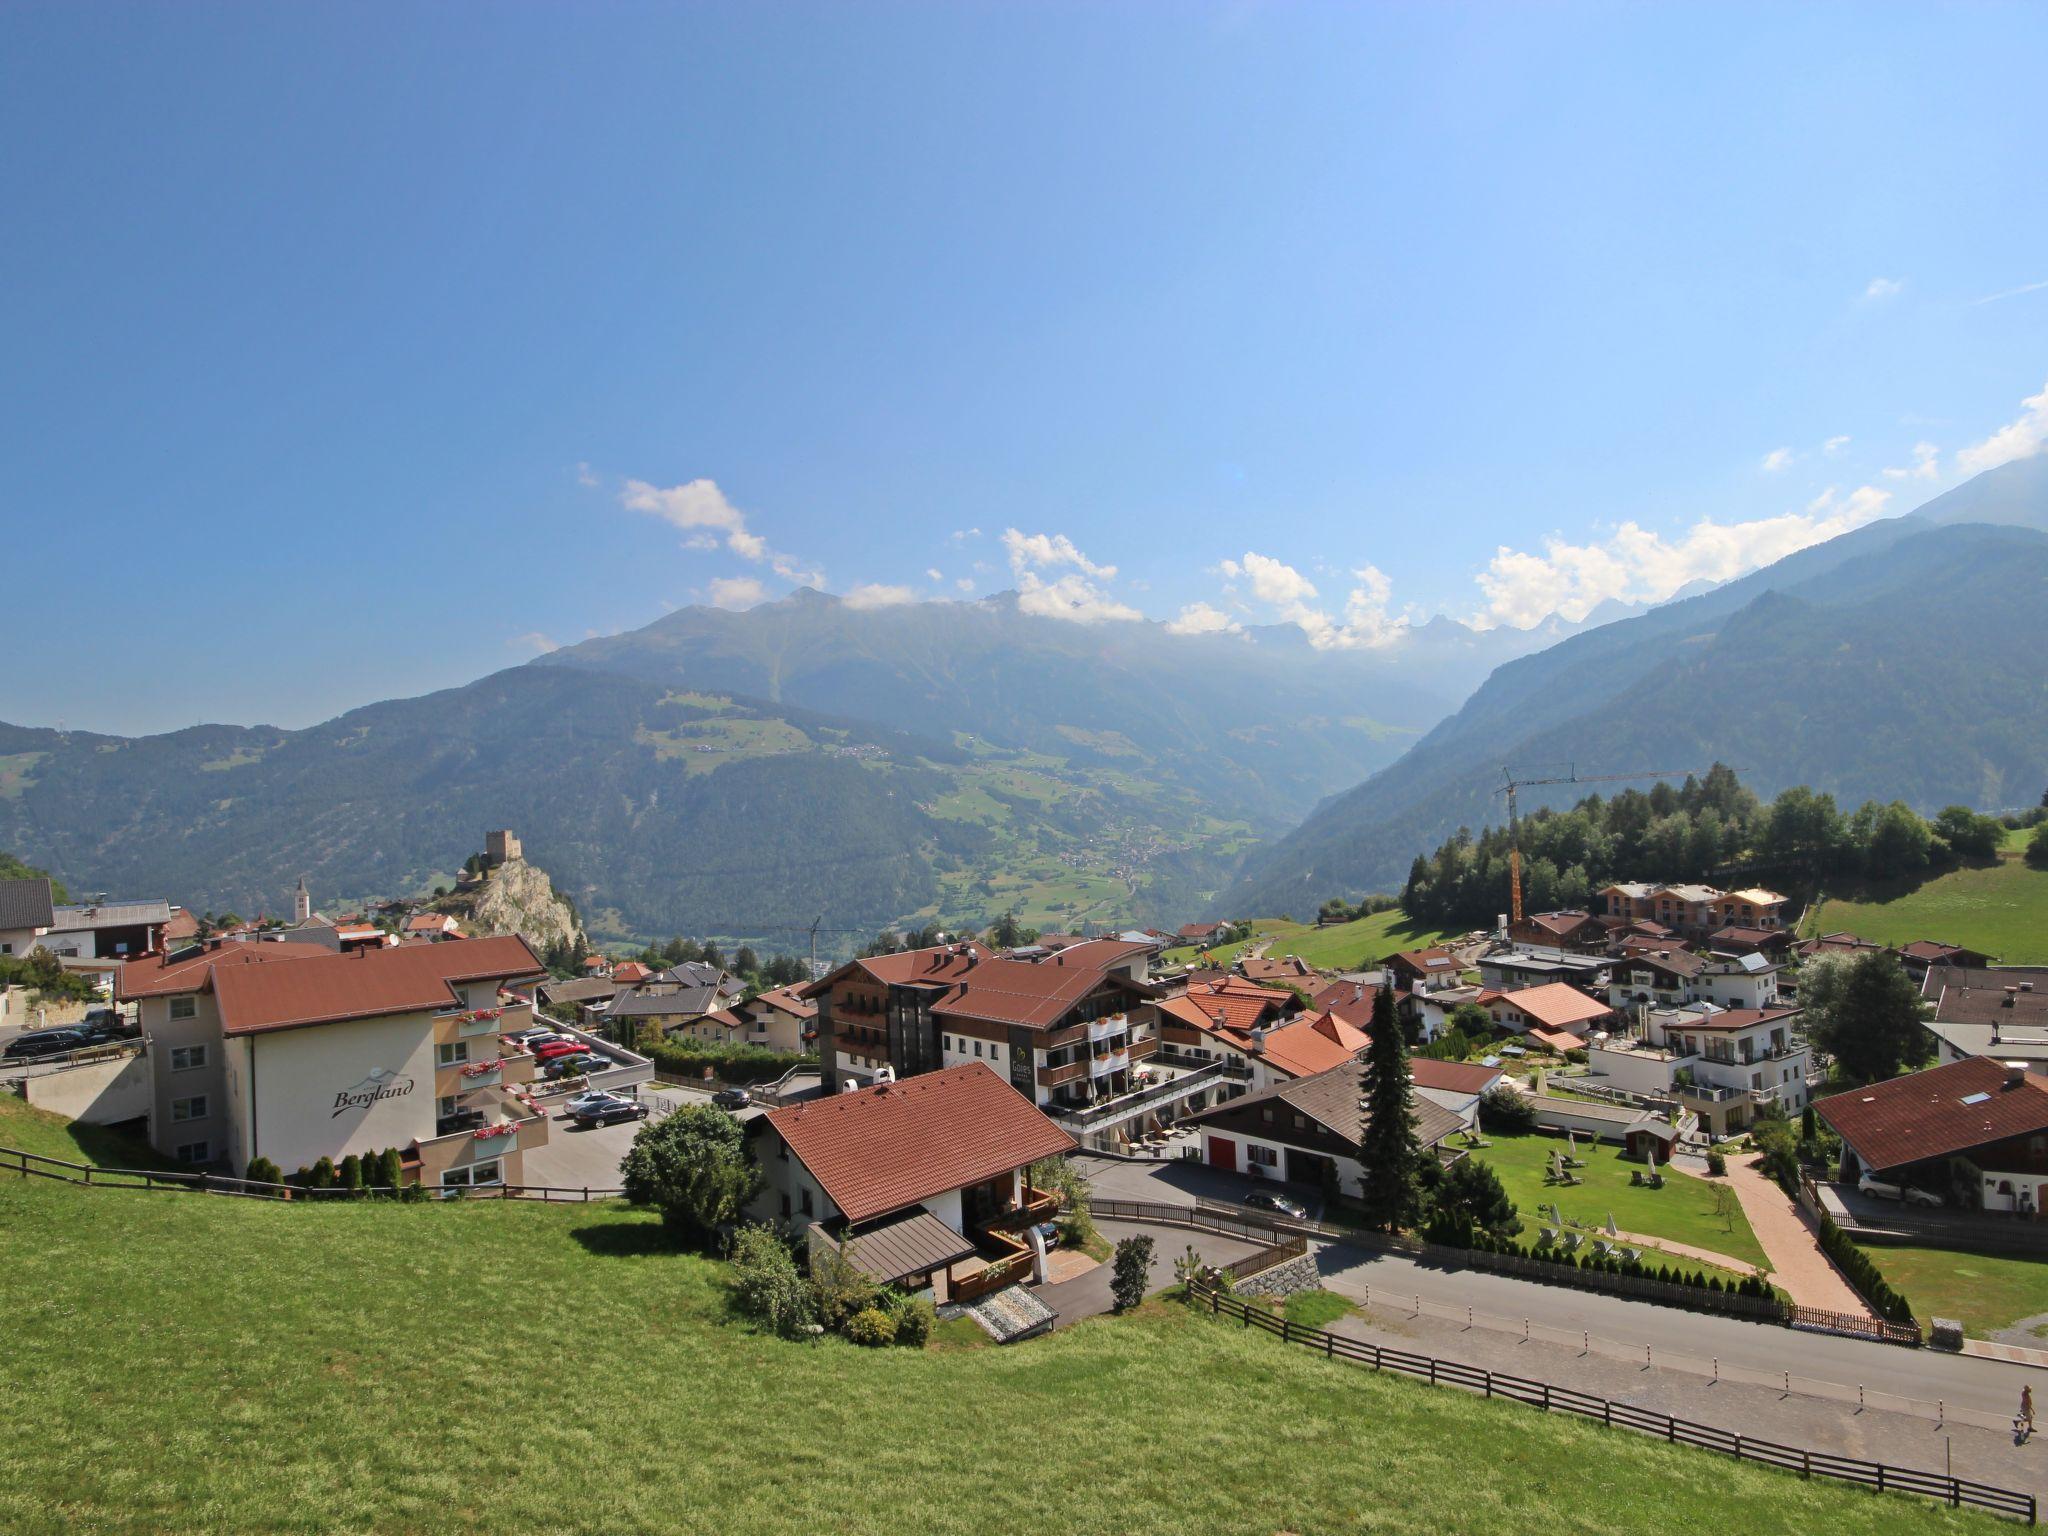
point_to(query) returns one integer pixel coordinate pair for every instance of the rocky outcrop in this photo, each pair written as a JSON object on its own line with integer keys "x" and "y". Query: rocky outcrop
{"x": 517, "y": 897}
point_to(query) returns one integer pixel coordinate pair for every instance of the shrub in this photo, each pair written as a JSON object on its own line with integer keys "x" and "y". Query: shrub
{"x": 390, "y": 1169}
{"x": 322, "y": 1176}
{"x": 839, "y": 1291}
{"x": 1717, "y": 1165}
{"x": 914, "y": 1317}
{"x": 728, "y": 1063}
{"x": 352, "y": 1173}
{"x": 766, "y": 1283}
{"x": 871, "y": 1326}
{"x": 1505, "y": 1112}
{"x": 262, "y": 1170}
{"x": 693, "y": 1164}
{"x": 1132, "y": 1272}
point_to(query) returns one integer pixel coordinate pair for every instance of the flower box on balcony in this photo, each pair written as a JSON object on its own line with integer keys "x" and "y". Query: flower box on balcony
{"x": 504, "y": 1133}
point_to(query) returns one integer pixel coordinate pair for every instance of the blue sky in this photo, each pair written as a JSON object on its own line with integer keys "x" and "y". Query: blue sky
{"x": 351, "y": 352}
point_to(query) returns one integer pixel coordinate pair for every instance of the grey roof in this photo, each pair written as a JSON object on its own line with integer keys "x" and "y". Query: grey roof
{"x": 584, "y": 989}
{"x": 896, "y": 1247}
{"x": 1331, "y": 1099}
{"x": 110, "y": 914}
{"x": 686, "y": 1002}
{"x": 25, "y": 903}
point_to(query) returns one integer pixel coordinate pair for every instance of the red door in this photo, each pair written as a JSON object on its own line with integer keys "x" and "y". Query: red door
{"x": 1222, "y": 1153}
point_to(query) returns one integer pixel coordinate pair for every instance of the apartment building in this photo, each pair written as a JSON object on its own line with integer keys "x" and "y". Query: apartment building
{"x": 1723, "y": 1064}
{"x": 1693, "y": 909}
{"x": 292, "y": 1052}
{"x": 1060, "y": 1029}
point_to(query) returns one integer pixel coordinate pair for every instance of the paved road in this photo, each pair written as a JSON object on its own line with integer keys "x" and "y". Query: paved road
{"x": 1987, "y": 1386}
{"x": 578, "y": 1159}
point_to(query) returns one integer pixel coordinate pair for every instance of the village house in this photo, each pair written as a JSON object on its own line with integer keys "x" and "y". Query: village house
{"x": 1555, "y": 1016}
{"x": 1217, "y": 1022}
{"x": 1306, "y": 1131}
{"x": 2000, "y": 1013}
{"x": 1973, "y": 1134}
{"x": 780, "y": 1019}
{"x": 1284, "y": 970}
{"x": 1724, "y": 1065}
{"x": 1922, "y": 955}
{"x": 1202, "y": 933}
{"x": 1511, "y": 970}
{"x": 26, "y": 913}
{"x": 431, "y": 925}
{"x": 1840, "y": 944}
{"x": 1580, "y": 932}
{"x": 1060, "y": 1029}
{"x": 1423, "y": 970}
{"x": 1456, "y": 1085}
{"x": 1692, "y": 909}
{"x": 923, "y": 1180}
{"x": 107, "y": 929}
{"x": 1349, "y": 998}
{"x": 293, "y": 1053}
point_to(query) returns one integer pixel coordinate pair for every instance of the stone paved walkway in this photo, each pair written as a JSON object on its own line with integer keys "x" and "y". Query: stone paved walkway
{"x": 1798, "y": 1267}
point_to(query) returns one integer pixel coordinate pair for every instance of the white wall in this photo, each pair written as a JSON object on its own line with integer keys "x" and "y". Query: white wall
{"x": 99, "y": 1093}
{"x": 295, "y": 1077}
{"x": 1632, "y": 1070}
{"x": 1464, "y": 1105}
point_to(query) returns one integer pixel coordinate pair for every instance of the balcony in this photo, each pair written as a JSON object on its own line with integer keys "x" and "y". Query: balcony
{"x": 1141, "y": 1049}
{"x": 1056, "y": 1077}
{"x": 1102, "y": 1029}
{"x": 1036, "y": 1205}
{"x": 1109, "y": 1062}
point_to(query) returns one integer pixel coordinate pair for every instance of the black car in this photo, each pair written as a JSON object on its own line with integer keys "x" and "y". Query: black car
{"x": 610, "y": 1113}
{"x": 1265, "y": 1200}
{"x": 575, "y": 1065}
{"x": 44, "y": 1042}
{"x": 732, "y": 1098}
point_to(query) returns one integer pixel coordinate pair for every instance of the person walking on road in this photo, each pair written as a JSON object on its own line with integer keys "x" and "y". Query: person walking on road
{"x": 2023, "y": 1426}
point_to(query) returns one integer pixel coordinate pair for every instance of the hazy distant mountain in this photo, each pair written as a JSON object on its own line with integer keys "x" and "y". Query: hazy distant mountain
{"x": 1902, "y": 660}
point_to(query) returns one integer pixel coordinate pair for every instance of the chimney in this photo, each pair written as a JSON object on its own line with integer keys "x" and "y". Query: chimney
{"x": 1258, "y": 1039}
{"x": 2015, "y": 1073}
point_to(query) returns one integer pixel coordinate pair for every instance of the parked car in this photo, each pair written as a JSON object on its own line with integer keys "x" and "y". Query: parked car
{"x": 612, "y": 1113}
{"x": 732, "y": 1098}
{"x": 1049, "y": 1232}
{"x": 1266, "y": 1200}
{"x": 43, "y": 1042}
{"x": 588, "y": 1097}
{"x": 574, "y": 1066}
{"x": 110, "y": 1020}
{"x": 101, "y": 1033}
{"x": 547, "y": 1050}
{"x": 532, "y": 1037}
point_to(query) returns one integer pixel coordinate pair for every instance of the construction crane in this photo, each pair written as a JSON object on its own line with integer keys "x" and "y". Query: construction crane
{"x": 1509, "y": 784}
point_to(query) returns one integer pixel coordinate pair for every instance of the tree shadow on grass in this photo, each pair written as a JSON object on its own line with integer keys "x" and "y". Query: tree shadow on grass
{"x": 630, "y": 1240}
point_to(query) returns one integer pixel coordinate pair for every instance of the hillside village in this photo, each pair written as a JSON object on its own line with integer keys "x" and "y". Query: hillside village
{"x": 1662, "y": 1097}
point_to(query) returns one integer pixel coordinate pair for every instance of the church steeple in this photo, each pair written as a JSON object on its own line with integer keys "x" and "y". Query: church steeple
{"x": 302, "y": 902}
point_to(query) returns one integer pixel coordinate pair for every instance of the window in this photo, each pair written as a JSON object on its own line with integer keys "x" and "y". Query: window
{"x": 977, "y": 1049}
{"x": 806, "y": 1201}
{"x": 196, "y": 1152}
{"x": 1266, "y": 1114}
{"x": 785, "y": 1207}
{"x": 454, "y": 1053}
{"x": 184, "y": 1007}
{"x": 447, "y": 1105}
{"x": 187, "y": 1058}
{"x": 471, "y": 1176}
{"x": 1261, "y": 1157}
{"x": 193, "y": 1108}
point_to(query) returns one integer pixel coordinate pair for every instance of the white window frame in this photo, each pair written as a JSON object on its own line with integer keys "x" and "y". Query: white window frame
{"x": 188, "y": 1058}
{"x": 183, "y": 1111}
{"x": 460, "y": 1058}
{"x": 469, "y": 1175}
{"x": 186, "y": 1007}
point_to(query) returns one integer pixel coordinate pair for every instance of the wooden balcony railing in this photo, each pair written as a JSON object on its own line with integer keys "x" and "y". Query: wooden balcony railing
{"x": 1054, "y": 1077}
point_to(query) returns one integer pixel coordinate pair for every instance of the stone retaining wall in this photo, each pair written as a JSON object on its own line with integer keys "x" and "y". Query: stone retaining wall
{"x": 1296, "y": 1274}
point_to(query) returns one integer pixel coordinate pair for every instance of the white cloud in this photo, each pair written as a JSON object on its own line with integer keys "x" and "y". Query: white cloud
{"x": 533, "y": 640}
{"x": 933, "y": 573}
{"x": 1202, "y": 619}
{"x": 701, "y": 510}
{"x": 962, "y": 535}
{"x": 1636, "y": 565}
{"x": 1776, "y": 460}
{"x": 585, "y": 475}
{"x": 1835, "y": 444}
{"x": 1050, "y": 549}
{"x": 1885, "y": 288}
{"x": 1366, "y": 621}
{"x": 737, "y": 592}
{"x": 1076, "y": 596}
{"x": 875, "y": 595}
{"x": 965, "y": 583}
{"x": 2019, "y": 439}
{"x": 1926, "y": 464}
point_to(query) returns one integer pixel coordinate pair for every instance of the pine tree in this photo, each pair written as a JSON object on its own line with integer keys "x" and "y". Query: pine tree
{"x": 1390, "y": 1154}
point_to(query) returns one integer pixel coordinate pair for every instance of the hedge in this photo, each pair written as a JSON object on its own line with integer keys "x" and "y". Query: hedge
{"x": 728, "y": 1063}
{"x": 1862, "y": 1273}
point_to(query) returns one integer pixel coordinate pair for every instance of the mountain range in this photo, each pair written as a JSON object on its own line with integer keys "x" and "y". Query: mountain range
{"x": 1902, "y": 660}
{"x": 739, "y": 775}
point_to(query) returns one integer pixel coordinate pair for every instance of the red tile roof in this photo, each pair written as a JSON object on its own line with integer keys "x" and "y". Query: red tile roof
{"x": 1231, "y": 1005}
{"x": 1924, "y": 1115}
{"x": 412, "y": 978}
{"x": 1266, "y": 968}
{"x": 189, "y": 970}
{"x": 1313, "y": 1043}
{"x": 1452, "y": 1076}
{"x": 973, "y": 983}
{"x": 891, "y": 1146}
{"x": 789, "y": 1001}
{"x": 1558, "y": 1040}
{"x": 631, "y": 970}
{"x": 1351, "y": 1001}
{"x": 1554, "y": 1005}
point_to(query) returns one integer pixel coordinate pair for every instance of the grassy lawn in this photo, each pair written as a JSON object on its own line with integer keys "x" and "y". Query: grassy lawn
{"x": 1340, "y": 947}
{"x": 1987, "y": 1292}
{"x": 48, "y": 1135}
{"x": 2001, "y": 909}
{"x": 383, "y": 1368}
{"x": 1682, "y": 1211}
{"x": 1316, "y": 1309}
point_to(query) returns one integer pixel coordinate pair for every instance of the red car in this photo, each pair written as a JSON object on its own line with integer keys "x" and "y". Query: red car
{"x": 554, "y": 1048}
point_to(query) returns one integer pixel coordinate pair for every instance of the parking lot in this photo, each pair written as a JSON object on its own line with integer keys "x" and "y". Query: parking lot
{"x": 589, "y": 1159}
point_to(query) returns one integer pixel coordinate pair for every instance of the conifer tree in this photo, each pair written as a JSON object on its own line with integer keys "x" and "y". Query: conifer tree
{"x": 1390, "y": 1153}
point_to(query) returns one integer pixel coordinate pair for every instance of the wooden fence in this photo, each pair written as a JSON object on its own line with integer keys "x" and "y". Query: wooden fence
{"x": 1953, "y": 1491}
{"x": 1265, "y": 1259}
{"x": 33, "y": 1165}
